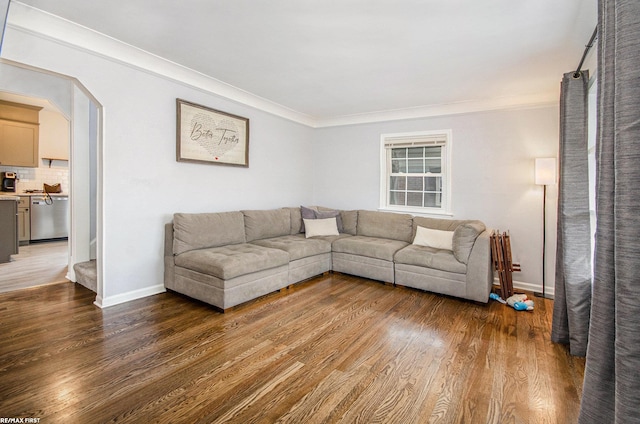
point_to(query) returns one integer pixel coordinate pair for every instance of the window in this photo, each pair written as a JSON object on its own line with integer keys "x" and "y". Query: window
{"x": 416, "y": 172}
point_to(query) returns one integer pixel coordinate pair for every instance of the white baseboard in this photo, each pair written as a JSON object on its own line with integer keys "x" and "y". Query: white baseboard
{"x": 521, "y": 285}
{"x": 149, "y": 291}
{"x": 103, "y": 302}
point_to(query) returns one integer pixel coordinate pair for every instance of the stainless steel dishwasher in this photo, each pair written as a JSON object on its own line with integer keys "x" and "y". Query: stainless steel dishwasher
{"x": 49, "y": 217}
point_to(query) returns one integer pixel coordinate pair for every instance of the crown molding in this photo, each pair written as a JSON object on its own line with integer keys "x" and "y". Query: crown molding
{"x": 42, "y": 24}
{"x": 502, "y": 103}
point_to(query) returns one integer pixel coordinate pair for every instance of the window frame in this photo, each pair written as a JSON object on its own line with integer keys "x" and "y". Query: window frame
{"x": 443, "y": 138}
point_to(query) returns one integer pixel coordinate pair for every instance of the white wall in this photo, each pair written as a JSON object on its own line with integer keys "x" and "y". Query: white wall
{"x": 143, "y": 185}
{"x": 493, "y": 157}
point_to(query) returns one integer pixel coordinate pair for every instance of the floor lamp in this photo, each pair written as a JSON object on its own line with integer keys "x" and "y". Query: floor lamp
{"x": 545, "y": 174}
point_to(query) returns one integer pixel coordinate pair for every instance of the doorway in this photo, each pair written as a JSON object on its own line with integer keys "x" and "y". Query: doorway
{"x": 83, "y": 114}
{"x": 41, "y": 259}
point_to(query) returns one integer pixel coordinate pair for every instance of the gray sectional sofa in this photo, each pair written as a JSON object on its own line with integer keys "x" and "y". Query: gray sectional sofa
{"x": 228, "y": 258}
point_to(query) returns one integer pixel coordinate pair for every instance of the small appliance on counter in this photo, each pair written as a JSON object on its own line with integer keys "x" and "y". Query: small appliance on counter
{"x": 8, "y": 181}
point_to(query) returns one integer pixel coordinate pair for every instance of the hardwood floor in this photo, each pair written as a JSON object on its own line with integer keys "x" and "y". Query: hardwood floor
{"x": 35, "y": 264}
{"x": 335, "y": 349}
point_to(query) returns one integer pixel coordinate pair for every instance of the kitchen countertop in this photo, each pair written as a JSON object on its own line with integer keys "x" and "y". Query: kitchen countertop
{"x": 10, "y": 194}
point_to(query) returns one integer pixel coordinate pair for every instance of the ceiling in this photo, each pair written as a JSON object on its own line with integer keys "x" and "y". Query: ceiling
{"x": 331, "y": 58}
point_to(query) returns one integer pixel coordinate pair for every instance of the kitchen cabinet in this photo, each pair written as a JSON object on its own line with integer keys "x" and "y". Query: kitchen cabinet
{"x": 24, "y": 220}
{"x": 18, "y": 144}
{"x": 19, "y": 134}
{"x": 8, "y": 228}
{"x": 54, "y": 136}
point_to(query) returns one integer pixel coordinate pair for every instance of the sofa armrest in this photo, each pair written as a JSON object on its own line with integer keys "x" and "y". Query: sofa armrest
{"x": 169, "y": 261}
{"x": 480, "y": 269}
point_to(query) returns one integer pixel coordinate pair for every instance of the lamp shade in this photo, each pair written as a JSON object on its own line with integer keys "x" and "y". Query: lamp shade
{"x": 545, "y": 170}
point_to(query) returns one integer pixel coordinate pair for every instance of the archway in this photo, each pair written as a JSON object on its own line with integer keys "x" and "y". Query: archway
{"x": 84, "y": 113}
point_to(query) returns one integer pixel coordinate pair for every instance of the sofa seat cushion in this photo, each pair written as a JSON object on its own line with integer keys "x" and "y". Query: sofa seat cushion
{"x": 430, "y": 257}
{"x": 372, "y": 247}
{"x": 297, "y": 246}
{"x": 331, "y": 239}
{"x": 228, "y": 262}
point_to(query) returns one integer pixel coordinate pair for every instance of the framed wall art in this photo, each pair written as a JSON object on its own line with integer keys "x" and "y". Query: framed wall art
{"x": 206, "y": 135}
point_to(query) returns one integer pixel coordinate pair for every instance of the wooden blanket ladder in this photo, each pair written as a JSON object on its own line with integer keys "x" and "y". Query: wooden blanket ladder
{"x": 502, "y": 261}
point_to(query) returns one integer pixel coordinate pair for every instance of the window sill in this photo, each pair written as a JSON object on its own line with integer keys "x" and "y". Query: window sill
{"x": 417, "y": 211}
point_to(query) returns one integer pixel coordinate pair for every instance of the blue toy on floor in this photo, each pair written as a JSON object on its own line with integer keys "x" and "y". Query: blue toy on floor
{"x": 519, "y": 302}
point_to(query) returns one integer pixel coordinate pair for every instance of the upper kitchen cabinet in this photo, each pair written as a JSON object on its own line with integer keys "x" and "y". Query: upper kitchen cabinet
{"x": 19, "y": 134}
{"x": 54, "y": 136}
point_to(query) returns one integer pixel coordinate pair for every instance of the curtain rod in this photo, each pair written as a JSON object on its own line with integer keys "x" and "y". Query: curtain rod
{"x": 576, "y": 74}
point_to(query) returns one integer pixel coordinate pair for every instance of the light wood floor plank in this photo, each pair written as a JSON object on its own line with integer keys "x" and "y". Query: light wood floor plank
{"x": 35, "y": 264}
{"x": 335, "y": 349}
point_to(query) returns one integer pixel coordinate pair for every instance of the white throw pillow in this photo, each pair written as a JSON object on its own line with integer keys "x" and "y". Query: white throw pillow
{"x": 320, "y": 227}
{"x": 437, "y": 239}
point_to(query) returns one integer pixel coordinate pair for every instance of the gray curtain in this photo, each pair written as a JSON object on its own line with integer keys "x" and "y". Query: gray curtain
{"x": 572, "y": 304}
{"x": 611, "y": 390}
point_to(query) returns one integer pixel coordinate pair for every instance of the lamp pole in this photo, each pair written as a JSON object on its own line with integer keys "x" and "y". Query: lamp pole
{"x": 544, "y": 235}
{"x": 545, "y": 174}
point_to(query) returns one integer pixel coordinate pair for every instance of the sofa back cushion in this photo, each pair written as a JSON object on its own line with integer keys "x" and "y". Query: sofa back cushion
{"x": 201, "y": 230}
{"x": 346, "y": 220}
{"x": 464, "y": 237}
{"x": 389, "y": 225}
{"x": 296, "y": 220}
{"x": 349, "y": 222}
{"x": 465, "y": 233}
{"x": 262, "y": 224}
{"x": 435, "y": 223}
